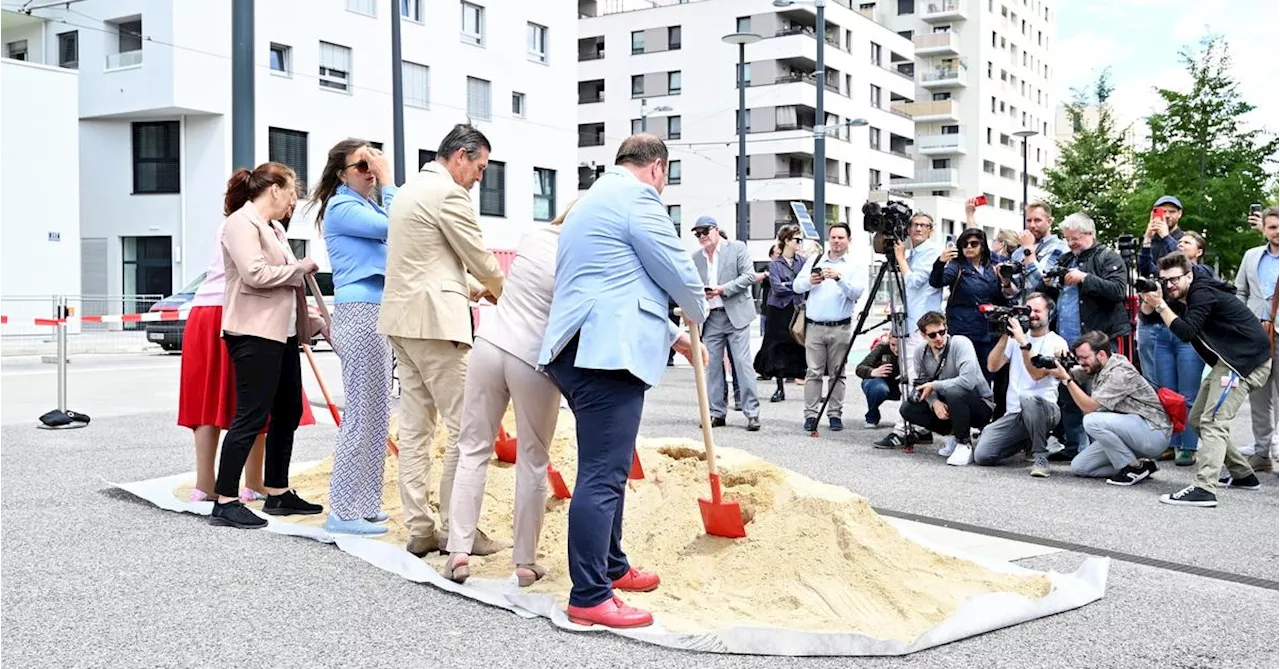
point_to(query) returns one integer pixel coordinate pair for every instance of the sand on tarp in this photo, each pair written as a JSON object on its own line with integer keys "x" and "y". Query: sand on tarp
{"x": 816, "y": 556}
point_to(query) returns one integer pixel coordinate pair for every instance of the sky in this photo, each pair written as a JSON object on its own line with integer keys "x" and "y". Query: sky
{"x": 1140, "y": 40}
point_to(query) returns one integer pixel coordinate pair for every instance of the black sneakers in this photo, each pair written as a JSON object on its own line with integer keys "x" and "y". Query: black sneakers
{"x": 288, "y": 503}
{"x": 1191, "y": 496}
{"x": 235, "y": 514}
{"x": 811, "y": 424}
{"x": 1132, "y": 474}
{"x": 1249, "y": 482}
{"x": 890, "y": 441}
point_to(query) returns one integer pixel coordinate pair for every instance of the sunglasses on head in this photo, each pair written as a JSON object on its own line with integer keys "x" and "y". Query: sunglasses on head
{"x": 361, "y": 166}
{"x": 936, "y": 334}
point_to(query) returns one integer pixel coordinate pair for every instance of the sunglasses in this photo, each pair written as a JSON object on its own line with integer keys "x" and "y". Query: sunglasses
{"x": 936, "y": 334}
{"x": 701, "y": 233}
{"x": 794, "y": 239}
{"x": 973, "y": 244}
{"x": 361, "y": 166}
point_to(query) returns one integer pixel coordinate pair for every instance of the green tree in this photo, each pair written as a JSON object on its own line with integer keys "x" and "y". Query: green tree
{"x": 1091, "y": 173}
{"x": 1202, "y": 151}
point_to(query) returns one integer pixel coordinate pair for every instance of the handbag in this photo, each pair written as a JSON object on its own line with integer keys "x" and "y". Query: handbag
{"x": 798, "y": 324}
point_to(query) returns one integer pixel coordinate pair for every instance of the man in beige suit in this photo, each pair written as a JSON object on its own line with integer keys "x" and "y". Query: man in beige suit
{"x": 436, "y": 265}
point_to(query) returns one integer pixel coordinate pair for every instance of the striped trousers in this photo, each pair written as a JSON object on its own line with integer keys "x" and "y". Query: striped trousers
{"x": 355, "y": 488}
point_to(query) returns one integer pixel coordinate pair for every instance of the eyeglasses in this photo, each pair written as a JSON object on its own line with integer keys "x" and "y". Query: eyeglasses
{"x": 973, "y": 244}
{"x": 794, "y": 239}
{"x": 922, "y": 225}
{"x": 1170, "y": 280}
{"x": 936, "y": 334}
{"x": 361, "y": 166}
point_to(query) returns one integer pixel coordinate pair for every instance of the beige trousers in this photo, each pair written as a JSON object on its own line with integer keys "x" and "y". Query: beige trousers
{"x": 1212, "y": 421}
{"x": 495, "y": 378}
{"x": 431, "y": 380}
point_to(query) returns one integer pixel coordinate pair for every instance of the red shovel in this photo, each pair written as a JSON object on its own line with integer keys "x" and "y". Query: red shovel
{"x": 558, "y": 487}
{"x": 505, "y": 447}
{"x": 719, "y": 518}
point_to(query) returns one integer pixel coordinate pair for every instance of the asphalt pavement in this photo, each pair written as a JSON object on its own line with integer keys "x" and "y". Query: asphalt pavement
{"x": 93, "y": 577}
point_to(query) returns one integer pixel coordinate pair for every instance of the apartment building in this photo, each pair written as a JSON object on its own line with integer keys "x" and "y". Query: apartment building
{"x": 664, "y": 69}
{"x": 984, "y": 71}
{"x": 40, "y": 205}
{"x": 154, "y": 105}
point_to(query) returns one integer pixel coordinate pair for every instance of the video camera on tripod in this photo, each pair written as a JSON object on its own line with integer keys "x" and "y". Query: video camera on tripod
{"x": 888, "y": 223}
{"x": 998, "y": 317}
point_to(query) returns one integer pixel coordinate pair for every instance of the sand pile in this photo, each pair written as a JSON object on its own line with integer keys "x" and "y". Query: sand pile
{"x": 816, "y": 557}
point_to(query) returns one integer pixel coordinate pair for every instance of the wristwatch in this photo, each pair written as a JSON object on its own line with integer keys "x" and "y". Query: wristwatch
{"x": 1026, "y": 346}
{"x": 1160, "y": 308}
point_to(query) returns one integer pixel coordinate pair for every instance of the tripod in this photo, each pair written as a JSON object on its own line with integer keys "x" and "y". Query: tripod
{"x": 896, "y": 320}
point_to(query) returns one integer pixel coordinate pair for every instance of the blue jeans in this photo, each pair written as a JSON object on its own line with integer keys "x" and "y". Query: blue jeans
{"x": 877, "y": 391}
{"x": 1175, "y": 365}
{"x": 1147, "y": 335}
{"x": 606, "y": 405}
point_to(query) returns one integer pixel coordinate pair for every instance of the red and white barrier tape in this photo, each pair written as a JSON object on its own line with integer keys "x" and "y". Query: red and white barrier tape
{"x": 149, "y": 317}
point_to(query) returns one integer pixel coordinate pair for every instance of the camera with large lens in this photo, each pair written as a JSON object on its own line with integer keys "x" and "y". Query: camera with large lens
{"x": 1008, "y": 270}
{"x": 1127, "y": 245}
{"x": 998, "y": 317}
{"x": 1067, "y": 360}
{"x": 1144, "y": 284}
{"x": 888, "y": 222}
{"x": 1054, "y": 274}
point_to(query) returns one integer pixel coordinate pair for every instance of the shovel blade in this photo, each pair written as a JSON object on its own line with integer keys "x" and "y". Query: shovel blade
{"x": 558, "y": 487}
{"x": 505, "y": 447}
{"x": 637, "y": 472}
{"x": 722, "y": 519}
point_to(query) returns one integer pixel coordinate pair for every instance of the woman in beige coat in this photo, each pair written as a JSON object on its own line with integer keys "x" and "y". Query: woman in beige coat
{"x": 502, "y": 368}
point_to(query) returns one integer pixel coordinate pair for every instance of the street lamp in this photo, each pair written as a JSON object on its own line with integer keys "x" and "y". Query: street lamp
{"x": 819, "y": 138}
{"x": 1025, "y": 135}
{"x": 644, "y": 113}
{"x": 742, "y": 40}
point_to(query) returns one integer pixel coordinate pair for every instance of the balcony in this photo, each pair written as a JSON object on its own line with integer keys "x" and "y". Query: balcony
{"x": 783, "y": 174}
{"x": 944, "y": 77}
{"x": 935, "y": 110}
{"x": 929, "y": 179}
{"x": 125, "y": 60}
{"x": 942, "y": 11}
{"x": 940, "y": 145}
{"x": 937, "y": 44}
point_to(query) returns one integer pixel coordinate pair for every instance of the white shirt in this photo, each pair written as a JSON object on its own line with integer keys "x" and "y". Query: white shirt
{"x": 1020, "y": 382}
{"x": 713, "y": 273}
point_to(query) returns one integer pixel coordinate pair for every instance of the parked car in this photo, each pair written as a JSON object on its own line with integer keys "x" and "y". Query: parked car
{"x": 168, "y": 334}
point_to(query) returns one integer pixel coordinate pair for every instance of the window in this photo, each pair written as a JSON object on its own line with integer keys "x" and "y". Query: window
{"x": 544, "y": 194}
{"x": 746, "y": 74}
{"x": 673, "y": 171}
{"x": 673, "y": 83}
{"x": 951, "y": 130}
{"x": 637, "y": 126}
{"x": 517, "y": 104}
{"x": 130, "y": 36}
{"x": 993, "y": 104}
{"x": 988, "y": 167}
{"x": 493, "y": 189}
{"x": 906, "y": 7}
{"x": 874, "y": 138}
{"x": 673, "y": 38}
{"x": 941, "y": 163}
{"x": 673, "y": 127}
{"x": 875, "y": 96}
{"x": 156, "y": 148}
{"x": 411, "y": 9}
{"x": 478, "y": 103}
{"x": 537, "y": 43}
{"x": 426, "y": 156}
{"x": 873, "y": 180}
{"x": 877, "y": 54}
{"x": 289, "y": 147}
{"x": 744, "y": 24}
{"x": 637, "y": 42}
{"x": 366, "y": 7}
{"x": 673, "y": 210}
{"x": 472, "y": 24}
{"x": 637, "y": 85}
{"x": 69, "y": 50}
{"x": 17, "y": 50}
{"x": 988, "y": 135}
{"x": 945, "y": 95}
{"x": 990, "y": 70}
{"x": 335, "y": 67}
{"x": 417, "y": 85}
{"x": 280, "y": 59}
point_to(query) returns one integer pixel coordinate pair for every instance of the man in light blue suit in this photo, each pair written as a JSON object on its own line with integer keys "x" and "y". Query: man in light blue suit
{"x": 606, "y": 344}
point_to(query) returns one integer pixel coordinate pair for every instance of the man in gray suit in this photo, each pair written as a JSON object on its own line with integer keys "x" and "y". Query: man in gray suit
{"x": 1256, "y": 285}
{"x": 727, "y": 274}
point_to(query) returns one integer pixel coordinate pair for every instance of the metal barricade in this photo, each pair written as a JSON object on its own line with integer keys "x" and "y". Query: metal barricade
{"x": 94, "y": 324}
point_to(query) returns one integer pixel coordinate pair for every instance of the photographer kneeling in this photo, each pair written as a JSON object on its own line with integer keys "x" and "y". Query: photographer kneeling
{"x": 956, "y": 397}
{"x": 881, "y": 374}
{"x": 1031, "y": 403}
{"x": 1123, "y": 416}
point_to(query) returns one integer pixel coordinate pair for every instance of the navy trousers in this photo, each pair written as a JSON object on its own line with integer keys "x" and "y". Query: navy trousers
{"x": 606, "y": 405}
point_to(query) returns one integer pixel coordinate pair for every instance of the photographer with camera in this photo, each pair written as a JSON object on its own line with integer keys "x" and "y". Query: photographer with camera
{"x": 833, "y": 285}
{"x": 1032, "y": 398}
{"x": 1123, "y": 415}
{"x": 1228, "y": 336}
{"x": 881, "y": 374}
{"x": 1039, "y": 250}
{"x": 973, "y": 283}
{"x": 950, "y": 396}
{"x": 1090, "y": 285}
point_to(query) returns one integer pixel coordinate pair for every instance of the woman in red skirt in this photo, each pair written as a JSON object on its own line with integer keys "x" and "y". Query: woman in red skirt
{"x": 206, "y": 395}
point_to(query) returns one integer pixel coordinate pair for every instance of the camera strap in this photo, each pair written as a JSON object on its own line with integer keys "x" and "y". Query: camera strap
{"x": 942, "y": 360}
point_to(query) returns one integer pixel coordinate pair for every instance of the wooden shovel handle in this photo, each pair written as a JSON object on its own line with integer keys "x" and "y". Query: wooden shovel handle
{"x": 704, "y": 408}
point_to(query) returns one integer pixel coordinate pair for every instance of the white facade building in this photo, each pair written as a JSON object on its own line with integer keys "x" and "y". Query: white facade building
{"x": 155, "y": 105}
{"x": 40, "y": 204}
{"x": 666, "y": 68}
{"x": 984, "y": 70}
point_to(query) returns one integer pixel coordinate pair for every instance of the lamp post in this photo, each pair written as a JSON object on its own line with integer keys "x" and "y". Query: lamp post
{"x": 819, "y": 138}
{"x": 644, "y": 113}
{"x": 742, "y": 40}
{"x": 1025, "y": 135}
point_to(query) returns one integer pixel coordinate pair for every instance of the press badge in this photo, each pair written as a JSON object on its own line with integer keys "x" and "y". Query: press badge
{"x": 1228, "y": 381}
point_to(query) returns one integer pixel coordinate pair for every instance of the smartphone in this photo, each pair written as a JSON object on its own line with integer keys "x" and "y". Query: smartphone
{"x": 1157, "y": 214}
{"x": 951, "y": 240}
{"x": 980, "y": 201}
{"x": 707, "y": 289}
{"x": 1255, "y": 209}
{"x": 816, "y": 271}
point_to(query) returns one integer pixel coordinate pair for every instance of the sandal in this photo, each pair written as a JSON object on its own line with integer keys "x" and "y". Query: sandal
{"x": 528, "y": 574}
{"x": 457, "y": 568}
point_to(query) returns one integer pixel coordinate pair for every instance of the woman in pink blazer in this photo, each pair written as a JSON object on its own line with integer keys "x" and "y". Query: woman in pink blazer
{"x": 264, "y": 315}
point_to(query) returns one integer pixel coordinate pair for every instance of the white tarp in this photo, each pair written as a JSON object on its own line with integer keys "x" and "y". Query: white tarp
{"x": 982, "y": 613}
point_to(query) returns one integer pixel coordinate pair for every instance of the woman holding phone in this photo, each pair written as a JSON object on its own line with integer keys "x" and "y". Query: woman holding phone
{"x": 968, "y": 271}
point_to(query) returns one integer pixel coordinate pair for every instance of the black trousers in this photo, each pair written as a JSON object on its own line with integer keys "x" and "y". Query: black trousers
{"x": 966, "y": 407}
{"x": 268, "y": 385}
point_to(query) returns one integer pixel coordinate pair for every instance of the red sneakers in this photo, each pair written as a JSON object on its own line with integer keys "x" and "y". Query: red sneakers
{"x": 611, "y": 612}
{"x": 637, "y": 581}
